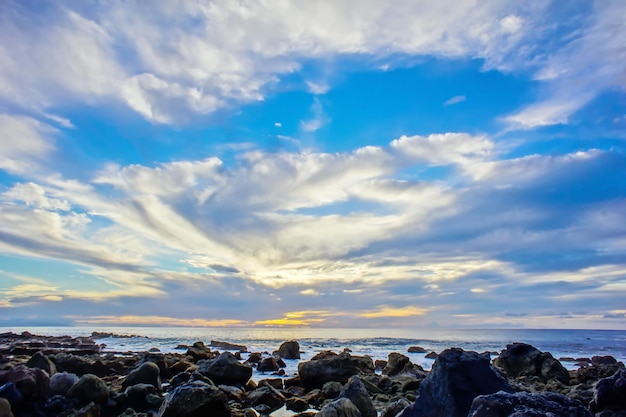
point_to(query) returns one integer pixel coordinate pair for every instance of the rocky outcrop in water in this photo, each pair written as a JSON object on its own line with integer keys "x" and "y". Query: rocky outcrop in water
{"x": 332, "y": 367}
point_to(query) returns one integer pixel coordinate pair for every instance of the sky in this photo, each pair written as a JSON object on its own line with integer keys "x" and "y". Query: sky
{"x": 328, "y": 163}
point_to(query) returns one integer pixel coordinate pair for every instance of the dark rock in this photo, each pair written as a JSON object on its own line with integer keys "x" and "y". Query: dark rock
{"x": 10, "y": 392}
{"x": 272, "y": 382}
{"x": 233, "y": 393}
{"x": 324, "y": 355}
{"x": 268, "y": 364}
{"x": 457, "y": 377}
{"x": 590, "y": 374}
{"x": 315, "y": 373}
{"x": 267, "y": 395}
{"x": 199, "y": 351}
{"x": 332, "y": 389}
{"x": 254, "y": 357}
{"x": 416, "y": 349}
{"x": 147, "y": 373}
{"x": 228, "y": 346}
{"x": 195, "y": 399}
{"x": 289, "y": 350}
{"x": 610, "y": 393}
{"x": 398, "y": 363}
{"x": 89, "y": 410}
{"x": 603, "y": 360}
{"x": 431, "y": 355}
{"x": 89, "y": 388}
{"x": 521, "y": 359}
{"x": 180, "y": 379}
{"x": 380, "y": 364}
{"x": 32, "y": 383}
{"x": 225, "y": 369}
{"x": 392, "y": 410}
{"x": 356, "y": 392}
{"x": 521, "y": 404}
{"x": 341, "y": 407}
{"x": 5, "y": 408}
{"x": 138, "y": 397}
{"x": 57, "y": 404}
{"x": 61, "y": 382}
{"x": 41, "y": 361}
{"x": 296, "y": 404}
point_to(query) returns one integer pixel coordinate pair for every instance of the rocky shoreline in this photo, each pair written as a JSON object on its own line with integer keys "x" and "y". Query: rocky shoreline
{"x": 44, "y": 376}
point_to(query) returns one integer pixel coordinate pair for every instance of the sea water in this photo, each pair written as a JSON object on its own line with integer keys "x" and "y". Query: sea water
{"x": 377, "y": 343}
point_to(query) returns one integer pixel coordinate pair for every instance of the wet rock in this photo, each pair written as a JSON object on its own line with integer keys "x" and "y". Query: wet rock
{"x": 233, "y": 393}
{"x": 431, "y": 355}
{"x": 504, "y": 404}
{"x": 225, "y": 369}
{"x": 199, "y": 351}
{"x": 296, "y": 404}
{"x": 268, "y": 396}
{"x": 142, "y": 397}
{"x": 416, "y": 349}
{"x": 315, "y": 373}
{"x": 398, "y": 363}
{"x": 380, "y": 364}
{"x": 341, "y": 407}
{"x": 610, "y": 393}
{"x": 392, "y": 409}
{"x": 603, "y": 360}
{"x": 272, "y": 382}
{"x": 41, "y": 361}
{"x": 332, "y": 389}
{"x": 89, "y": 388}
{"x": 195, "y": 399}
{"x": 254, "y": 357}
{"x": 521, "y": 359}
{"x": 228, "y": 346}
{"x": 61, "y": 382}
{"x": 32, "y": 383}
{"x": 590, "y": 374}
{"x": 268, "y": 364}
{"x": 146, "y": 373}
{"x": 457, "y": 377}
{"x": 355, "y": 391}
{"x": 289, "y": 350}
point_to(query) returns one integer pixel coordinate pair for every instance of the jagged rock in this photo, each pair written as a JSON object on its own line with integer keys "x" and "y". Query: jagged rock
{"x": 341, "y": 407}
{"x": 61, "y": 382}
{"x": 610, "y": 393}
{"x": 398, "y": 363}
{"x": 268, "y": 396}
{"x": 195, "y": 399}
{"x": 147, "y": 373}
{"x": 315, "y": 373}
{"x": 332, "y": 389}
{"x": 392, "y": 409}
{"x": 519, "y": 404}
{"x": 225, "y": 369}
{"x": 89, "y": 388}
{"x": 590, "y": 374}
{"x": 289, "y": 350}
{"x": 233, "y": 393}
{"x": 228, "y": 346}
{"x": 32, "y": 383}
{"x": 521, "y": 359}
{"x": 355, "y": 391}
{"x": 268, "y": 364}
{"x": 457, "y": 377}
{"x": 41, "y": 361}
{"x": 199, "y": 351}
{"x": 603, "y": 360}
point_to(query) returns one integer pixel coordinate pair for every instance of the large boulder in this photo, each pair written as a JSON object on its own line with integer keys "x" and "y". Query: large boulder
{"x": 521, "y": 359}
{"x": 41, "y": 361}
{"x": 146, "y": 373}
{"x": 195, "y": 399}
{"x": 89, "y": 388}
{"x": 398, "y": 363}
{"x": 289, "y": 350}
{"x": 268, "y": 364}
{"x": 503, "y": 404}
{"x": 61, "y": 382}
{"x": 315, "y": 373}
{"x": 199, "y": 351}
{"x": 225, "y": 369}
{"x": 266, "y": 398}
{"x": 33, "y": 384}
{"x": 341, "y": 407}
{"x": 610, "y": 393}
{"x": 355, "y": 391}
{"x": 457, "y": 377}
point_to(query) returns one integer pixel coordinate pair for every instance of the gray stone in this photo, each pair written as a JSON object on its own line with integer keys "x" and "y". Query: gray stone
{"x": 41, "y": 361}
{"x": 225, "y": 369}
{"x": 61, "y": 382}
{"x": 147, "y": 373}
{"x": 356, "y": 392}
{"x": 341, "y": 407}
{"x": 315, "y": 373}
{"x": 524, "y": 404}
{"x": 610, "y": 393}
{"x": 195, "y": 399}
{"x": 89, "y": 388}
{"x": 521, "y": 359}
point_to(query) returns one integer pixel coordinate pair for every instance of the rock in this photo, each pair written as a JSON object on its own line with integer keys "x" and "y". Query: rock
{"x": 268, "y": 364}
{"x": 272, "y": 382}
{"x": 140, "y": 397}
{"x": 431, "y": 355}
{"x": 521, "y": 359}
{"x": 590, "y": 374}
{"x": 89, "y": 388}
{"x": 610, "y": 393}
{"x": 332, "y": 389}
{"x": 392, "y": 410}
{"x": 225, "y": 369}
{"x": 10, "y": 393}
{"x": 603, "y": 360}
{"x": 296, "y": 404}
{"x": 315, "y": 373}
{"x": 457, "y": 377}
{"x": 89, "y": 410}
{"x": 254, "y": 357}
{"x": 380, "y": 364}
{"x": 228, "y": 346}
{"x": 33, "y": 384}
{"x": 147, "y": 373}
{"x": 199, "y": 351}
{"x": 416, "y": 349}
{"x": 341, "y": 407}
{"x": 41, "y": 361}
{"x": 5, "y": 408}
{"x": 356, "y": 392}
{"x": 267, "y": 396}
{"x": 289, "y": 350}
{"x": 233, "y": 393}
{"x": 61, "y": 382}
{"x": 195, "y": 399}
{"x": 398, "y": 363}
{"x": 521, "y": 404}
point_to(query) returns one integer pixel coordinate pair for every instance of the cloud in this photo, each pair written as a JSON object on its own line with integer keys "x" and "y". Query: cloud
{"x": 25, "y": 143}
{"x": 319, "y": 119}
{"x": 278, "y": 124}
{"x": 454, "y": 100}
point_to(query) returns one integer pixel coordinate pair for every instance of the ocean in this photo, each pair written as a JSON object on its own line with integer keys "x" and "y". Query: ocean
{"x": 377, "y": 343}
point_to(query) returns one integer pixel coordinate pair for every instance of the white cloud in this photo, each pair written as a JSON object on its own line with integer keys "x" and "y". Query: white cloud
{"x": 25, "y": 143}
{"x": 455, "y": 100}
{"x": 319, "y": 119}
{"x": 278, "y": 124}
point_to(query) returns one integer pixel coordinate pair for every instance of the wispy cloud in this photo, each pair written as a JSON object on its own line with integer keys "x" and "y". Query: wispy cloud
{"x": 454, "y": 100}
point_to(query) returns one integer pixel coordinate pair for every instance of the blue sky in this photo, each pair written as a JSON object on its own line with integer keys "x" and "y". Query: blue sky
{"x": 235, "y": 163}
